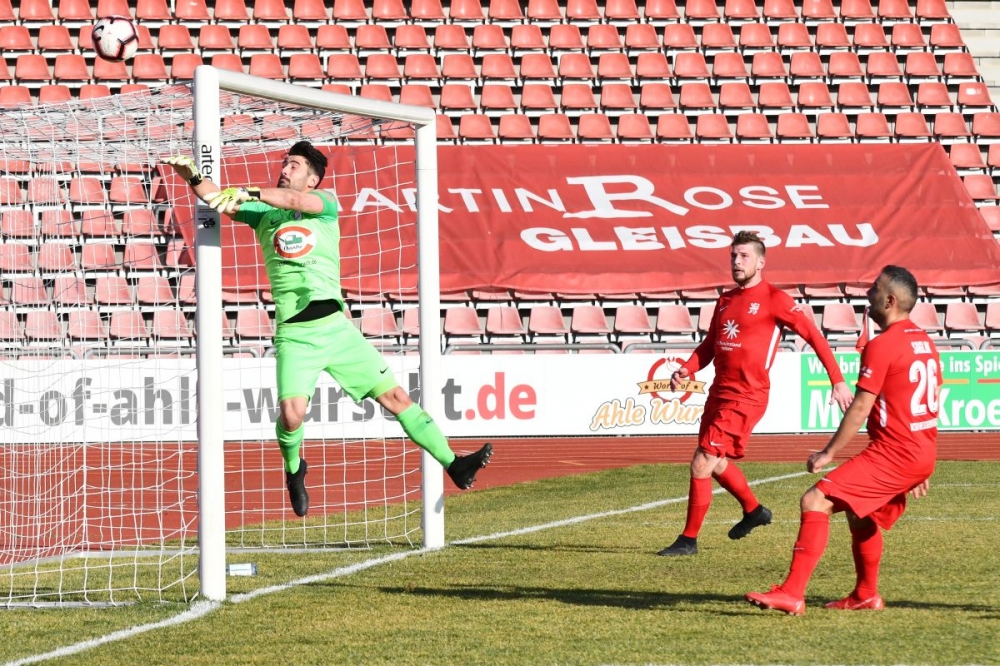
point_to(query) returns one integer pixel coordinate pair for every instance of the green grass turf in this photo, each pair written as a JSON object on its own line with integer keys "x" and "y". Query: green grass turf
{"x": 593, "y": 592}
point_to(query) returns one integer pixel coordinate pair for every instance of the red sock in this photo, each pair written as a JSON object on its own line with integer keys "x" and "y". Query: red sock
{"x": 866, "y": 545}
{"x": 735, "y": 484}
{"x": 699, "y": 499}
{"x": 814, "y": 532}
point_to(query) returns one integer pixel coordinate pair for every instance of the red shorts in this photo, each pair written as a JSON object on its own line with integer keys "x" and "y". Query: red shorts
{"x": 726, "y": 426}
{"x": 874, "y": 486}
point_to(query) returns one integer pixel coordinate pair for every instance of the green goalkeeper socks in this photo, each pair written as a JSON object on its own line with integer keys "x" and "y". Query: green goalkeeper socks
{"x": 290, "y": 443}
{"x": 420, "y": 427}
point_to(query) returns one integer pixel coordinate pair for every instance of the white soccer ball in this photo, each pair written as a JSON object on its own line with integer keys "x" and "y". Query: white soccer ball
{"x": 115, "y": 38}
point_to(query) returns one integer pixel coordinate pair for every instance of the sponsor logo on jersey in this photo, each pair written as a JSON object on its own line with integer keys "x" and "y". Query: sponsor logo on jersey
{"x": 731, "y": 329}
{"x": 294, "y": 242}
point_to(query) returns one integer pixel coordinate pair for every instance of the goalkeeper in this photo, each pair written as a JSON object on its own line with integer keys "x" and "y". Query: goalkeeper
{"x": 299, "y": 235}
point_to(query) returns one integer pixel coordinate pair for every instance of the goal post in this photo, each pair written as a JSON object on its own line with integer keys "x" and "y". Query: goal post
{"x": 209, "y": 83}
{"x": 137, "y": 370}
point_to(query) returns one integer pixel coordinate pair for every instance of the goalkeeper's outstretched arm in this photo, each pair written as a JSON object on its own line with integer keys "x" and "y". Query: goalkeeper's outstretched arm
{"x": 188, "y": 170}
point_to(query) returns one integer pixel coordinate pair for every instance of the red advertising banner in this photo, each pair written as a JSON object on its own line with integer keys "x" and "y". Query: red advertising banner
{"x": 617, "y": 218}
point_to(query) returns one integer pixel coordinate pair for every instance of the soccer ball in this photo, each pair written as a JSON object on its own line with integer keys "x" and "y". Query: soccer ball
{"x": 115, "y": 38}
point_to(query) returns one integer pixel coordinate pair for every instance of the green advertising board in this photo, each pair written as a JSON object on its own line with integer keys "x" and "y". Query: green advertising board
{"x": 970, "y": 395}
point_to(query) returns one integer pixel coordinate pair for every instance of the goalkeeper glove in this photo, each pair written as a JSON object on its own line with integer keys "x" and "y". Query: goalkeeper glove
{"x": 229, "y": 199}
{"x": 185, "y": 168}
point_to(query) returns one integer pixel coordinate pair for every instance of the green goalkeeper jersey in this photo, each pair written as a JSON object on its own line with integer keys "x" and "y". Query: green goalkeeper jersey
{"x": 301, "y": 253}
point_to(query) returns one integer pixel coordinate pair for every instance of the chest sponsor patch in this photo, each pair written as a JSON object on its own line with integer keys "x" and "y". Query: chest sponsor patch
{"x": 293, "y": 242}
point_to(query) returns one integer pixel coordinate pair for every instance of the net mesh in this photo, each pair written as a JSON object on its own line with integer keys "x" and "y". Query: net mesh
{"x": 98, "y": 404}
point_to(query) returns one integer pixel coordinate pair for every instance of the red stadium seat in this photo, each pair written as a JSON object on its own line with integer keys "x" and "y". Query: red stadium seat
{"x": 184, "y": 64}
{"x": 775, "y": 97}
{"x": 814, "y": 96}
{"x": 228, "y": 61}
{"x": 98, "y": 258}
{"x": 333, "y": 39}
{"x": 451, "y": 38}
{"x": 427, "y": 12}
{"x": 515, "y": 128}
{"x": 475, "y": 128}
{"x": 582, "y": 11}
{"x": 691, "y": 66}
{"x": 883, "y": 67}
{"x": 807, "y": 66}
{"x": 753, "y": 127}
{"x": 656, "y": 97}
{"x": 14, "y": 38}
{"x": 232, "y": 11}
{"x": 872, "y": 127}
{"x": 839, "y": 319}
{"x": 595, "y": 127}
{"x": 149, "y": 67}
{"x": 421, "y": 68}
{"x": 12, "y": 97}
{"x": 950, "y": 126}
{"x": 497, "y": 98}
{"x": 380, "y": 323}
{"x": 634, "y": 127}
{"x": 793, "y": 37}
{"x": 573, "y": 67}
{"x": 833, "y": 127}
{"x": 344, "y": 67}
{"x": 112, "y": 290}
{"x": 31, "y": 11}
{"x": 963, "y": 317}
{"x": 189, "y": 11}
{"x": 528, "y": 39}
{"x": 974, "y": 96}
{"x": 679, "y": 37}
{"x": 894, "y": 97}
{"x": 870, "y": 37}
{"x": 462, "y": 323}
{"x": 641, "y": 37}
{"x": 737, "y": 11}
{"x": 577, "y": 97}
{"x": 621, "y": 11}
{"x": 29, "y": 291}
{"x": 411, "y": 38}
{"x": 142, "y": 257}
{"x": 16, "y": 258}
{"x": 946, "y": 36}
{"x": 960, "y": 66}
{"x": 729, "y": 67}
{"x": 925, "y": 315}
{"x": 305, "y": 67}
{"x": 589, "y": 323}
{"x": 617, "y": 98}
{"x": 853, "y": 96}
{"x": 716, "y": 37}
{"x": 45, "y": 190}
{"x": 652, "y": 67}
{"x": 696, "y": 97}
{"x": 673, "y": 128}
{"x": 312, "y": 12}
{"x": 755, "y": 37}
{"x": 70, "y": 290}
{"x": 779, "y": 10}
{"x": 547, "y": 321}
{"x": 495, "y": 67}
{"x": 543, "y": 11}
{"x": 604, "y": 37}
{"x": 254, "y": 38}
{"x": 907, "y": 38}
{"x": 371, "y": 38}
{"x": 504, "y": 321}
{"x": 128, "y": 327}
{"x": 831, "y": 37}
{"x": 31, "y": 68}
{"x": 980, "y": 187}
{"x": 87, "y": 190}
{"x": 43, "y": 326}
{"x": 912, "y": 127}
{"x": 53, "y": 38}
{"x": 20, "y": 223}
{"x": 986, "y": 126}
{"x": 793, "y": 127}
{"x": 966, "y": 157}
{"x": 659, "y": 12}
{"x": 933, "y": 97}
{"x": 674, "y": 323}
{"x": 714, "y": 128}
{"x": 86, "y": 325}
{"x": 537, "y": 98}
{"x": 555, "y": 127}
{"x": 56, "y": 257}
{"x": 735, "y": 97}
{"x": 457, "y": 98}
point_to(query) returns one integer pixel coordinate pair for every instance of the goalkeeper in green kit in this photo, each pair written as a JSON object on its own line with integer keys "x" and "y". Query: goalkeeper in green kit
{"x": 299, "y": 234}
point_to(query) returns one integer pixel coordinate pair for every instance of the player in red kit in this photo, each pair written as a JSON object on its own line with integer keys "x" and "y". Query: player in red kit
{"x": 898, "y": 391}
{"x": 742, "y": 340}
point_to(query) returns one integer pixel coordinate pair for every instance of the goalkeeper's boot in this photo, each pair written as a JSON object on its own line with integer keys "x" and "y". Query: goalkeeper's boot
{"x": 682, "y": 546}
{"x": 852, "y": 602}
{"x": 778, "y": 599}
{"x": 757, "y": 518}
{"x": 297, "y": 489}
{"x": 462, "y": 469}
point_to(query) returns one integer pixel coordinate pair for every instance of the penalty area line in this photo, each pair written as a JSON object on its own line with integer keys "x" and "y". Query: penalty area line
{"x": 201, "y": 609}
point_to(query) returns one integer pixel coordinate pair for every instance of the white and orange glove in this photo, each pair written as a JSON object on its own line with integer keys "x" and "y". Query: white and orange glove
{"x": 228, "y": 200}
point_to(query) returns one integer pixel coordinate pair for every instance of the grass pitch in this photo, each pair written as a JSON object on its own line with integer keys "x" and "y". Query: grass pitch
{"x": 588, "y": 592}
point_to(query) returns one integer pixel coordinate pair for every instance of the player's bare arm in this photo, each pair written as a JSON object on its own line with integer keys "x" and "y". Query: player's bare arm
{"x": 854, "y": 418}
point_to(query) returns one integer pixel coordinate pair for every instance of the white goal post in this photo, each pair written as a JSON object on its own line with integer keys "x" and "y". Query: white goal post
{"x": 137, "y": 370}
{"x": 209, "y": 83}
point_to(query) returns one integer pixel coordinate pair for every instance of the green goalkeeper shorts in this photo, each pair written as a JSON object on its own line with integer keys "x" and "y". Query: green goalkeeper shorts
{"x": 333, "y": 344}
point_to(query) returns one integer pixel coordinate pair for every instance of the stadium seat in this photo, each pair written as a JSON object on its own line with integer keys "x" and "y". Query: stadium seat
{"x": 755, "y": 38}
{"x": 254, "y": 38}
{"x": 538, "y": 98}
{"x": 54, "y": 38}
{"x": 112, "y": 290}
{"x": 142, "y": 257}
{"x": 753, "y": 127}
{"x": 807, "y": 66}
{"x": 582, "y": 11}
{"x": 573, "y": 67}
{"x": 141, "y": 222}
{"x": 869, "y": 38}
{"x": 476, "y": 128}
{"x": 504, "y": 321}
{"x": 546, "y": 321}
{"x": 99, "y": 224}
{"x": 779, "y": 11}
{"x": 383, "y": 68}
{"x": 604, "y": 37}
{"x": 53, "y": 94}
{"x": 839, "y": 319}
{"x": 814, "y": 97}
{"x": 674, "y": 324}
{"x": 716, "y": 38}
{"x": 793, "y": 128}
{"x": 699, "y": 12}
{"x": 98, "y": 258}
{"x": 641, "y": 37}
{"x": 617, "y": 98}
{"x": 833, "y": 127}
{"x": 925, "y": 315}
{"x": 332, "y": 39}
{"x": 450, "y": 38}
{"x": 427, "y": 12}
{"x": 183, "y": 65}
{"x": 655, "y": 98}
{"x": 729, "y": 67}
{"x": 894, "y": 97}
{"x": 632, "y": 325}
{"x": 966, "y": 158}
{"x": 19, "y": 223}
{"x": 266, "y": 66}
{"x": 949, "y": 127}
{"x": 14, "y": 38}
{"x": 963, "y": 317}
{"x": 883, "y": 67}
{"x": 232, "y": 12}
{"x": 44, "y": 190}
{"x": 228, "y": 61}
{"x": 832, "y": 37}
{"x": 127, "y": 327}
{"x": 149, "y": 67}
{"x": 87, "y": 190}
{"x": 56, "y": 257}
{"x": 973, "y": 97}
{"x": 304, "y": 67}
{"x": 679, "y": 37}
{"x": 696, "y": 97}
{"x": 652, "y": 67}
{"x": 912, "y": 127}
{"x": 769, "y": 66}
{"x": 461, "y": 67}
{"x": 16, "y": 258}
{"x": 466, "y": 11}
{"x": 555, "y": 127}
{"x": 775, "y": 97}
{"x": 921, "y": 67}
{"x": 713, "y": 128}
{"x": 946, "y": 37}
{"x": 959, "y": 67}
{"x": 634, "y": 127}
{"x": 589, "y": 323}
{"x": 691, "y": 66}
{"x": 992, "y": 320}
{"x": 853, "y": 97}
{"x": 462, "y": 324}
{"x": 595, "y": 127}
{"x": 11, "y": 193}
{"x": 673, "y": 128}
{"x": 43, "y": 326}
{"x": 421, "y": 68}
{"x": 993, "y": 159}
{"x": 70, "y": 290}
{"x": 620, "y": 12}
{"x": 980, "y": 187}
{"x": 33, "y": 11}
{"x": 933, "y": 97}
{"x": 380, "y": 323}
{"x": 271, "y": 12}
{"x": 735, "y": 98}
{"x": 490, "y": 38}
{"x": 95, "y": 90}
{"x": 105, "y": 70}
{"x": 189, "y": 11}
{"x": 986, "y": 127}
{"x": 872, "y": 127}
{"x": 344, "y": 68}
{"x": 793, "y": 37}
{"x": 515, "y": 128}
{"x": 32, "y": 69}
{"x": 29, "y": 291}
{"x": 412, "y": 39}
{"x": 577, "y": 98}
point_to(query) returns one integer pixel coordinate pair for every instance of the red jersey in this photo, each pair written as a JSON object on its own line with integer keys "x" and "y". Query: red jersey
{"x": 743, "y": 340}
{"x": 902, "y": 367}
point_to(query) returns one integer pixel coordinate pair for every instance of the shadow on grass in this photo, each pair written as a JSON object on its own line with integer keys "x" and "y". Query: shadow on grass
{"x": 577, "y": 597}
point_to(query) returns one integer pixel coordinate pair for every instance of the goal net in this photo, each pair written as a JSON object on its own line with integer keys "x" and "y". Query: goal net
{"x": 137, "y": 371}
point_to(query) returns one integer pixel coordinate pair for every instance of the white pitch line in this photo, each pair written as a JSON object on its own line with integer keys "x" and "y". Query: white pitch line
{"x": 200, "y": 609}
